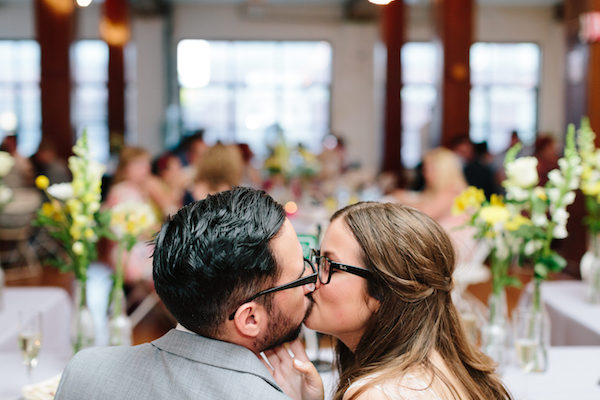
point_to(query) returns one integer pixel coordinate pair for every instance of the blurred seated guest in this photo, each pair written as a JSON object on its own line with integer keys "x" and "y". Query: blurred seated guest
{"x": 251, "y": 175}
{"x": 22, "y": 173}
{"x": 444, "y": 181}
{"x": 220, "y": 267}
{"x": 46, "y": 162}
{"x": 219, "y": 169}
{"x": 134, "y": 182}
{"x": 190, "y": 151}
{"x": 170, "y": 171}
{"x": 477, "y": 168}
{"x": 547, "y": 153}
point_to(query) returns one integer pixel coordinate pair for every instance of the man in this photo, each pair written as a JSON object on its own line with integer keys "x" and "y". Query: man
{"x": 230, "y": 270}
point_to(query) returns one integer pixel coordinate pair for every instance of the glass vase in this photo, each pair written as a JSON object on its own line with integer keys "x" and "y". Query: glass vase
{"x": 119, "y": 324}
{"x": 495, "y": 334}
{"x": 590, "y": 270}
{"x": 82, "y": 323}
{"x": 532, "y": 329}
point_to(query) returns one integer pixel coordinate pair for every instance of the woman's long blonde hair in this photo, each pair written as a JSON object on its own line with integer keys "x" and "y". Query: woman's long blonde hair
{"x": 448, "y": 170}
{"x": 220, "y": 166}
{"x": 412, "y": 261}
{"x": 126, "y": 157}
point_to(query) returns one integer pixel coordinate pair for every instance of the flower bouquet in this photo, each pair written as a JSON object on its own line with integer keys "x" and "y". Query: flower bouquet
{"x": 547, "y": 209}
{"x": 130, "y": 220}
{"x": 73, "y": 217}
{"x": 494, "y": 221}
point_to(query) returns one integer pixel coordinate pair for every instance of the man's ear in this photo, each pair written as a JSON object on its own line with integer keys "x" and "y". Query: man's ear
{"x": 250, "y": 319}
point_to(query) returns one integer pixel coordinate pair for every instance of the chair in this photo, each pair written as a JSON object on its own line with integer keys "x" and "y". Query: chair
{"x": 16, "y": 232}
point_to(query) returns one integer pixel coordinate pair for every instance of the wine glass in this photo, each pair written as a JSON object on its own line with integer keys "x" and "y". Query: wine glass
{"x": 30, "y": 338}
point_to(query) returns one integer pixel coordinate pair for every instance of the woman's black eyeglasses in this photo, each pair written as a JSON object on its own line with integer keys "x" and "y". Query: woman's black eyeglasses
{"x": 310, "y": 279}
{"x": 325, "y": 267}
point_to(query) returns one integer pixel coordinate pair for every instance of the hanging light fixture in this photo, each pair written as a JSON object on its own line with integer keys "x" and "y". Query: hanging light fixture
{"x": 381, "y": 2}
{"x": 84, "y": 3}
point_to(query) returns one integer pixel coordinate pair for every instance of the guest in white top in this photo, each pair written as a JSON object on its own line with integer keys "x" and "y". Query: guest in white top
{"x": 385, "y": 276}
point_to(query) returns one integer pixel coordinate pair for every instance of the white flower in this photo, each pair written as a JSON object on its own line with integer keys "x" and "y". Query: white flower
{"x": 522, "y": 172}
{"x": 539, "y": 220}
{"x": 61, "y": 191}
{"x": 569, "y": 198}
{"x": 532, "y": 246}
{"x": 560, "y": 232}
{"x": 560, "y": 216}
{"x": 517, "y": 193}
{"x": 77, "y": 248}
{"x": 556, "y": 178}
{"x": 5, "y": 194}
{"x": 553, "y": 194}
{"x": 6, "y": 163}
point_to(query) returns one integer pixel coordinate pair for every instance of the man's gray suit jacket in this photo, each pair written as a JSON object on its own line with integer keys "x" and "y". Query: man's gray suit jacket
{"x": 179, "y": 365}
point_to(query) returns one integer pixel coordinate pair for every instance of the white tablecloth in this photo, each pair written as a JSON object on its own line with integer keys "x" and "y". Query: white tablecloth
{"x": 574, "y": 322}
{"x": 573, "y": 373}
{"x": 13, "y": 374}
{"x": 55, "y": 306}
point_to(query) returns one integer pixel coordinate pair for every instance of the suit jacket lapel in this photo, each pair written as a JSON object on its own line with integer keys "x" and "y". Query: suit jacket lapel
{"x": 214, "y": 352}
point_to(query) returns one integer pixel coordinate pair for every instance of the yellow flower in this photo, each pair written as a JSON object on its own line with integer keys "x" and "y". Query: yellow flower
{"x": 471, "y": 197}
{"x": 75, "y": 232}
{"x": 42, "y": 182}
{"x": 74, "y": 206}
{"x": 591, "y": 188}
{"x": 496, "y": 200}
{"x": 516, "y": 222}
{"x": 89, "y": 234}
{"x": 494, "y": 214}
{"x": 47, "y": 210}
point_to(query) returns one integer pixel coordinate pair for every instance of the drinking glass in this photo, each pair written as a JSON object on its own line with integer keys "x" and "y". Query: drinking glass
{"x": 30, "y": 338}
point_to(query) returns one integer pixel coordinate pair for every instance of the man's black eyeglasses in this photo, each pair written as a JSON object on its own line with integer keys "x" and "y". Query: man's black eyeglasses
{"x": 325, "y": 267}
{"x": 306, "y": 280}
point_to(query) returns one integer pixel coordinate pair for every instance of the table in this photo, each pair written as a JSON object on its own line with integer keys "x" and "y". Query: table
{"x": 573, "y": 321}
{"x": 55, "y": 306}
{"x": 573, "y": 373}
{"x": 14, "y": 373}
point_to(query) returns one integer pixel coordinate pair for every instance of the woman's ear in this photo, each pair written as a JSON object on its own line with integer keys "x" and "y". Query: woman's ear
{"x": 249, "y": 319}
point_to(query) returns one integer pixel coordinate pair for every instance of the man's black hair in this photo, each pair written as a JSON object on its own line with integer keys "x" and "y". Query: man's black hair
{"x": 214, "y": 253}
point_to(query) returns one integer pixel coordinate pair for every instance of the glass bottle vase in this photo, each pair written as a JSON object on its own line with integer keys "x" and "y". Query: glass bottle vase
{"x": 495, "y": 335}
{"x": 532, "y": 329}
{"x": 82, "y": 322}
{"x": 590, "y": 270}
{"x": 119, "y": 324}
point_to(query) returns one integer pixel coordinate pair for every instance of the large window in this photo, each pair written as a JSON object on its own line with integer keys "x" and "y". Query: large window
{"x": 89, "y": 98}
{"x": 245, "y": 91}
{"x": 419, "y": 69}
{"x": 20, "y": 110}
{"x": 504, "y": 93}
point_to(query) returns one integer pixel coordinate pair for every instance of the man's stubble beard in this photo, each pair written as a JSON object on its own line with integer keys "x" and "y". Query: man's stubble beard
{"x": 281, "y": 329}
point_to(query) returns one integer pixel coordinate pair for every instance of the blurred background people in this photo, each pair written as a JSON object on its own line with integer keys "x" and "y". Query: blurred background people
{"x": 547, "y": 153}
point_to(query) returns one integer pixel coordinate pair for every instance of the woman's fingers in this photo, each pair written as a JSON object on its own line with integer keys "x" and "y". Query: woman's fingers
{"x": 298, "y": 349}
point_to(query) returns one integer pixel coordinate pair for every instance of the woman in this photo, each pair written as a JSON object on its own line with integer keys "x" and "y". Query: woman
{"x": 385, "y": 275}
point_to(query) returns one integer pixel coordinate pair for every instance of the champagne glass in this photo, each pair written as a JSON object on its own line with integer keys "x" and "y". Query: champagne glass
{"x": 30, "y": 338}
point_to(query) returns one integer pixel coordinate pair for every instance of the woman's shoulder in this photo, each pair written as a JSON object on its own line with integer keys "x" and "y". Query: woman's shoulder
{"x": 408, "y": 386}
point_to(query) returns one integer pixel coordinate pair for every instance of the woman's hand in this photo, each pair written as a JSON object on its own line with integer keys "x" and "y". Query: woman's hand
{"x": 297, "y": 376}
